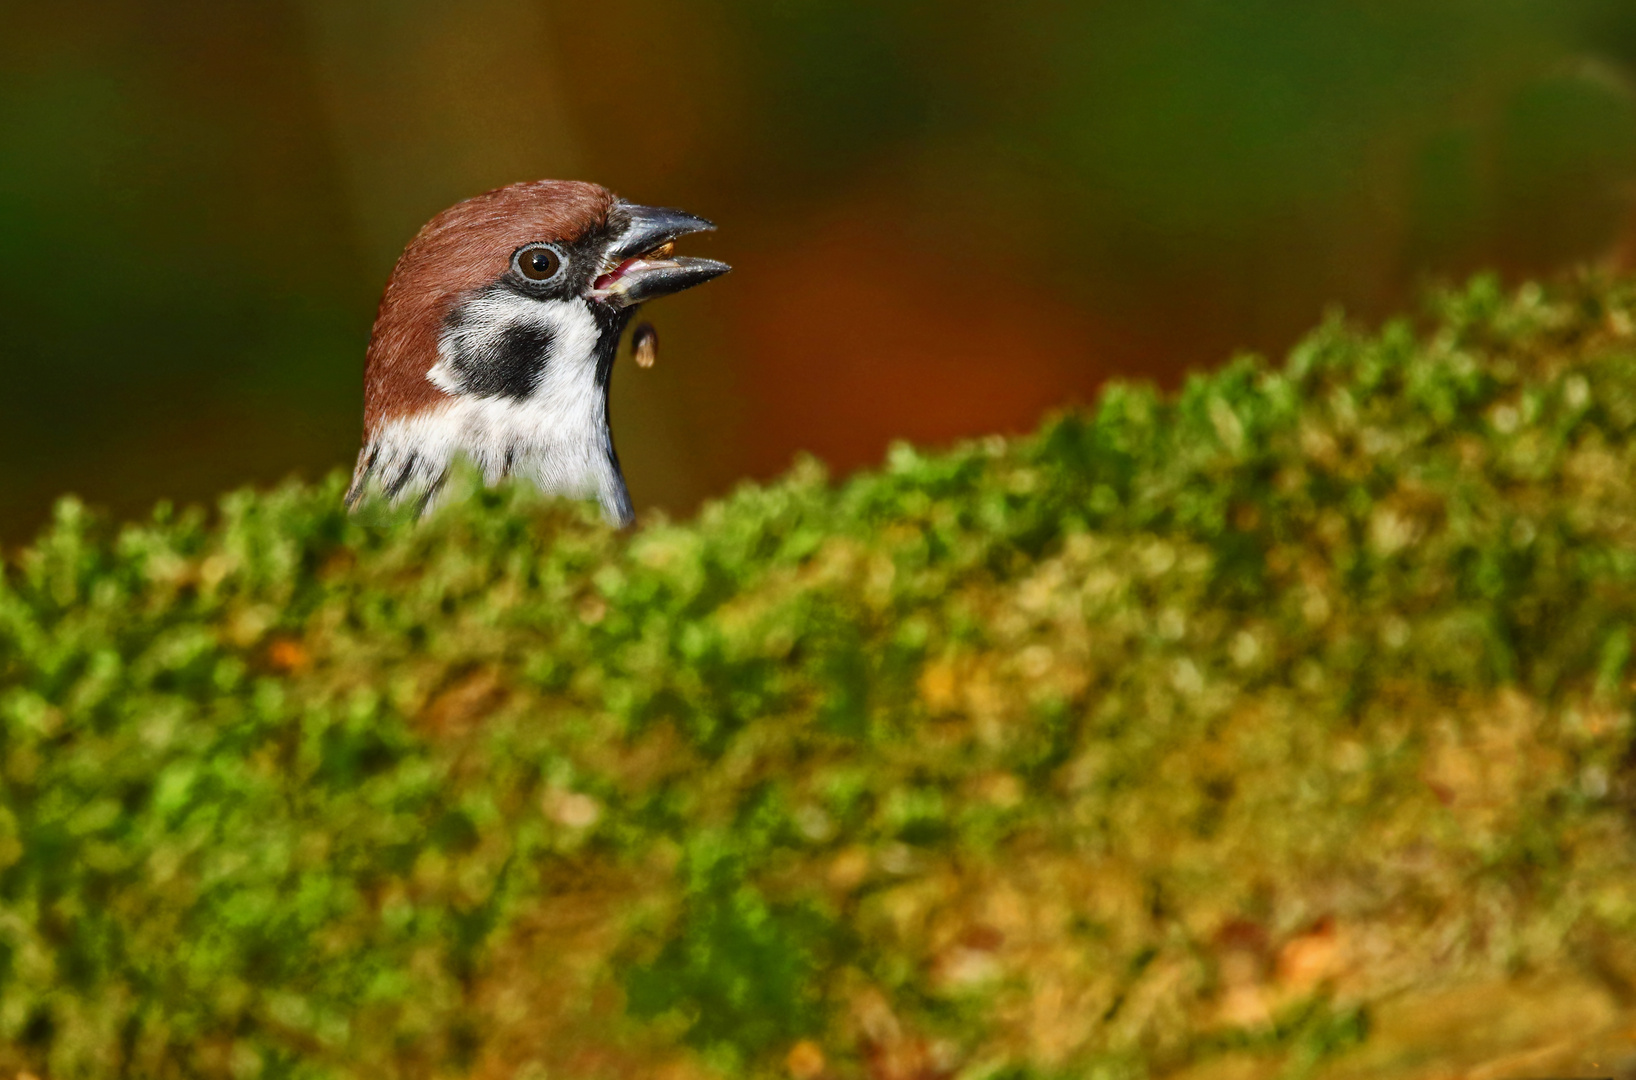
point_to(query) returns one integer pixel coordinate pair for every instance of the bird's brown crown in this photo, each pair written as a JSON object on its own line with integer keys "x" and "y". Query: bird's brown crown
{"x": 466, "y": 247}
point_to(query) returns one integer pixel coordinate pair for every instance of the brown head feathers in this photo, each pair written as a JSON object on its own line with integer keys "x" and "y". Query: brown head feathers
{"x": 466, "y": 247}
{"x": 496, "y": 338}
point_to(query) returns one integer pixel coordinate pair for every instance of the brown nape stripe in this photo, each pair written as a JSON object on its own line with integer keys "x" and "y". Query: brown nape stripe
{"x": 465, "y": 248}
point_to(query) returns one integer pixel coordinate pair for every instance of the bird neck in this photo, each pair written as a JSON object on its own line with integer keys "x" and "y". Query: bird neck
{"x": 616, "y": 498}
{"x": 611, "y": 324}
{"x": 525, "y": 394}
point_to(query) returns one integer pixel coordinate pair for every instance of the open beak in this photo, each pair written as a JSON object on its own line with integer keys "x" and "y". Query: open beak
{"x": 639, "y": 265}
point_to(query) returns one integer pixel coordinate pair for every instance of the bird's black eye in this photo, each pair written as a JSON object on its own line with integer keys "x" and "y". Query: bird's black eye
{"x": 538, "y": 262}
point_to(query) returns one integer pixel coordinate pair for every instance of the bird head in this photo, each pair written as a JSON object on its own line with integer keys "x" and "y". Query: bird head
{"x": 496, "y": 337}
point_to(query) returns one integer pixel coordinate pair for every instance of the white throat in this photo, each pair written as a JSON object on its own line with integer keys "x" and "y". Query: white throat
{"x": 550, "y": 425}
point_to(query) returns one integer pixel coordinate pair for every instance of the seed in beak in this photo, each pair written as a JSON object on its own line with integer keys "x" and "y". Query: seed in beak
{"x": 662, "y": 251}
{"x": 645, "y": 344}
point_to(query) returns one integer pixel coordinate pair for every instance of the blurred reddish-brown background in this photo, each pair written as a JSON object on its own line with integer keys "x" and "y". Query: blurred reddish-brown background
{"x": 945, "y": 218}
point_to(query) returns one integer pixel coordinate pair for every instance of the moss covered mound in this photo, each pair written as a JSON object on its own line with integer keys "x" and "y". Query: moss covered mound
{"x": 1280, "y": 727}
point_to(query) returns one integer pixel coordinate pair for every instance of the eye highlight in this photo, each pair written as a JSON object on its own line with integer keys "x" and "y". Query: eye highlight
{"x": 538, "y": 262}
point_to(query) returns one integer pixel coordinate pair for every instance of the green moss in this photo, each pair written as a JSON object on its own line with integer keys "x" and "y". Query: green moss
{"x": 1197, "y": 729}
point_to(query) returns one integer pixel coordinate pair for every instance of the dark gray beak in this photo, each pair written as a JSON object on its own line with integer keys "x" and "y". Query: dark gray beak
{"x": 639, "y": 266}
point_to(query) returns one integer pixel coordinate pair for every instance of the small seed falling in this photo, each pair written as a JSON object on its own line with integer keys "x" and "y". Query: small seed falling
{"x": 645, "y": 345}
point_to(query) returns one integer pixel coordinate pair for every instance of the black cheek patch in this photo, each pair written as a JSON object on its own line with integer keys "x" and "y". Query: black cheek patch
{"x": 510, "y": 367}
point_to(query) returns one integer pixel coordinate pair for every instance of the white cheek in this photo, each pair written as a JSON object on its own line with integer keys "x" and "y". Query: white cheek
{"x": 567, "y": 402}
{"x": 486, "y": 319}
{"x": 565, "y": 405}
{"x": 557, "y": 436}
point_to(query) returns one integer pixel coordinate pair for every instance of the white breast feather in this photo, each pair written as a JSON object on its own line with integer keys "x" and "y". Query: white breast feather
{"x": 557, "y": 437}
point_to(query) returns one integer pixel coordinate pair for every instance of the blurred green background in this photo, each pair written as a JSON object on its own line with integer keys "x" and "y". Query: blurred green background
{"x": 945, "y": 218}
